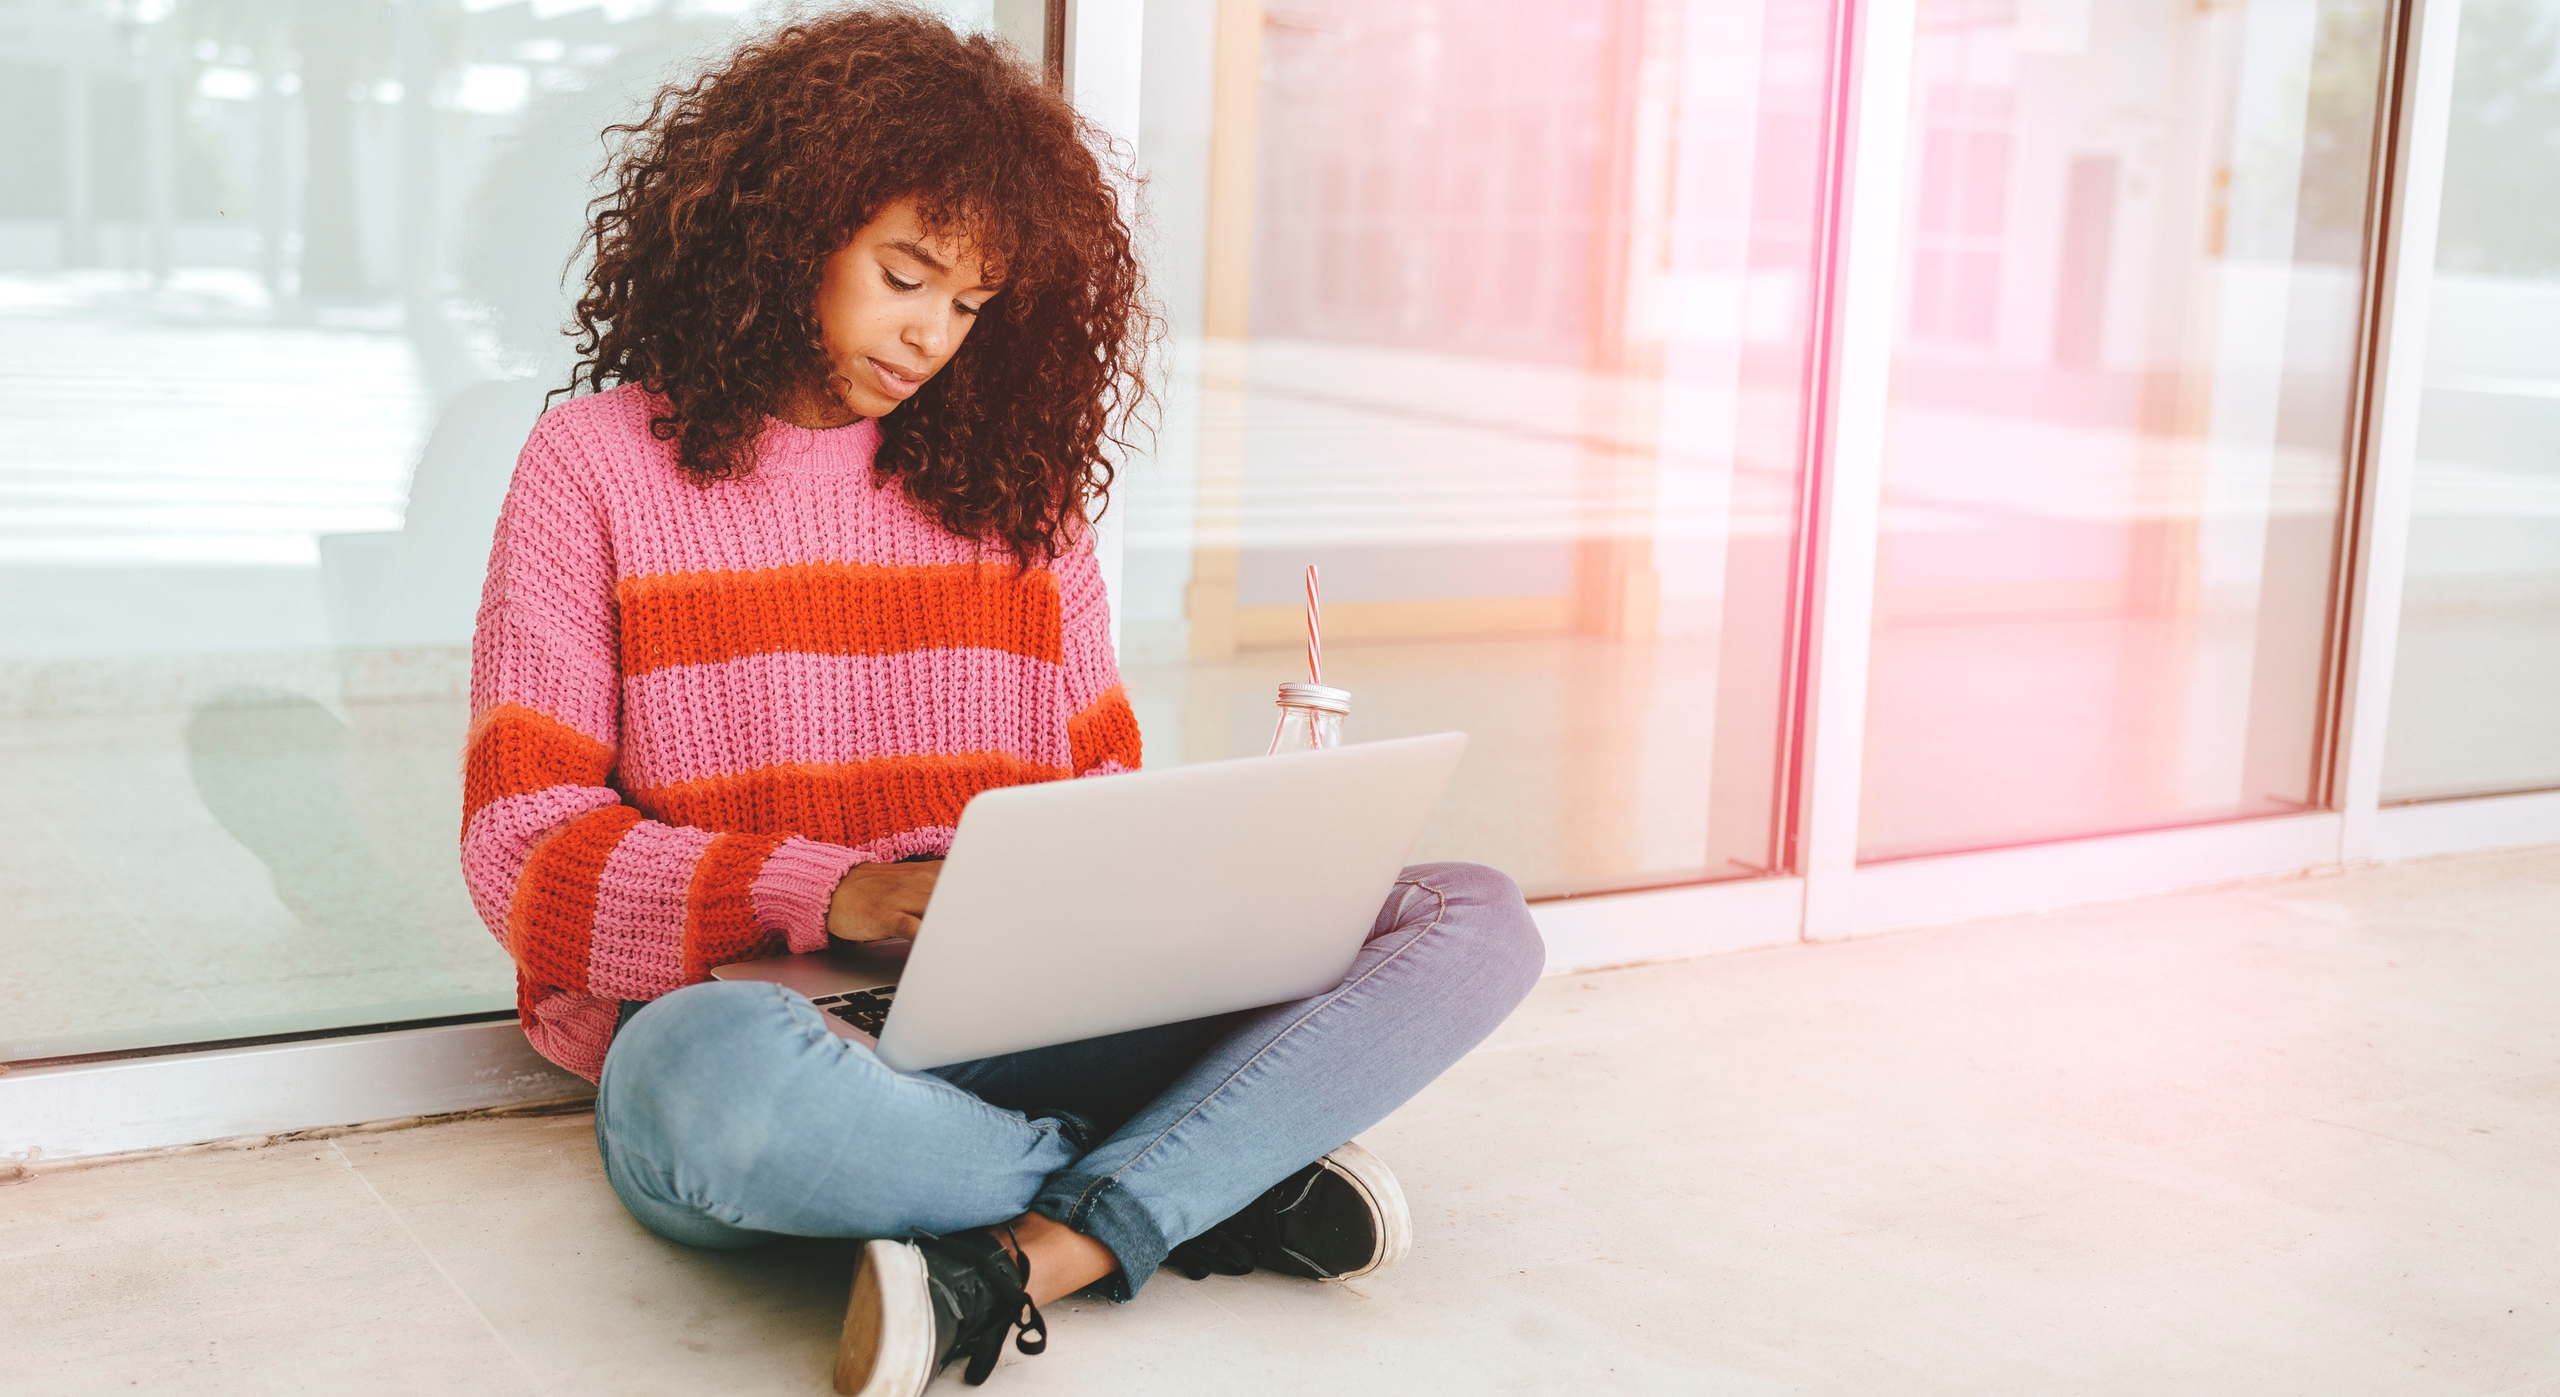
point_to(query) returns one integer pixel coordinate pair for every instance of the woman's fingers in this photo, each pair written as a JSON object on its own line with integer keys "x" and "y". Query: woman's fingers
{"x": 914, "y": 890}
{"x": 877, "y": 901}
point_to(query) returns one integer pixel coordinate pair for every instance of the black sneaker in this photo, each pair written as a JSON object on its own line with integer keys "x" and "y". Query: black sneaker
{"x": 918, "y": 1305}
{"x": 1338, "y": 1219}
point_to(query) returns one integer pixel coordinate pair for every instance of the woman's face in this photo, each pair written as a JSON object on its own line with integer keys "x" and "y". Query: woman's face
{"x": 893, "y": 306}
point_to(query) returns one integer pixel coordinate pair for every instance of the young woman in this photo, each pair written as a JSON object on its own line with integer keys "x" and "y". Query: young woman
{"x": 807, "y": 570}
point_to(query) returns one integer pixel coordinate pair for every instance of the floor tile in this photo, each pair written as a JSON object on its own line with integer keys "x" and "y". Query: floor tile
{"x": 260, "y": 1271}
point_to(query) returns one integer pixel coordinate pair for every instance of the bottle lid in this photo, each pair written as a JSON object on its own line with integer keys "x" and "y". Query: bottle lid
{"x": 1315, "y": 696}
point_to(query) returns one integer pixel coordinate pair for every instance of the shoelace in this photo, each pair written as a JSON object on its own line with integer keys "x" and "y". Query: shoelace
{"x": 981, "y": 1337}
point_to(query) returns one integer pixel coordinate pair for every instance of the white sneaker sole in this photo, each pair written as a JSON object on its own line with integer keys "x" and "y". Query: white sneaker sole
{"x": 1377, "y": 1183}
{"x": 887, "y": 1346}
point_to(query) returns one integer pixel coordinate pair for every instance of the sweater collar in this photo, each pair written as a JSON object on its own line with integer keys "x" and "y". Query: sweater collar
{"x": 849, "y": 447}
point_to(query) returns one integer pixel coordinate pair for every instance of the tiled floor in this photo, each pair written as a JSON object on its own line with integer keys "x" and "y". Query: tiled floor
{"x": 2296, "y": 1137}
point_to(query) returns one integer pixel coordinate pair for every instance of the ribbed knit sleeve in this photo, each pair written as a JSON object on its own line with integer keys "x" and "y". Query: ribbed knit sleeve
{"x": 595, "y": 903}
{"x": 1102, "y": 731}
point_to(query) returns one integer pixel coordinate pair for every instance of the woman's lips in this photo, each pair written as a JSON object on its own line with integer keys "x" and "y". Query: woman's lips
{"x": 894, "y": 382}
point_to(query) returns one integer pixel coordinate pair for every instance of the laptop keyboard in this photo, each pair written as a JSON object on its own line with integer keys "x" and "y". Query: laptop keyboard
{"x": 867, "y": 1010}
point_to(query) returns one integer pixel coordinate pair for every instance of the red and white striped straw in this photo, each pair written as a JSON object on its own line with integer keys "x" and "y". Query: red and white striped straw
{"x": 1315, "y": 631}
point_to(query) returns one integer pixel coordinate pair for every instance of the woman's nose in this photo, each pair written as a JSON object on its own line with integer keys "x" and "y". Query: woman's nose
{"x": 930, "y": 335}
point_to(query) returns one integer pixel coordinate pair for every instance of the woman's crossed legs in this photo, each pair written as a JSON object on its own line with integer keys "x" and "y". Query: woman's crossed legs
{"x": 729, "y": 1115}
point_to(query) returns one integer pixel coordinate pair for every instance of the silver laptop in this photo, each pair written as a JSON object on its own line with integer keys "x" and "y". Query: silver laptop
{"x": 1072, "y": 909}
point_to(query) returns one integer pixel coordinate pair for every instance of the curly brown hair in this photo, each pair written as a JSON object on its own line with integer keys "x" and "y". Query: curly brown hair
{"x": 727, "y": 198}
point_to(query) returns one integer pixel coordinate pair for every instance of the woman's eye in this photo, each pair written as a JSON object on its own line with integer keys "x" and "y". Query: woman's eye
{"x": 897, "y": 285}
{"x": 965, "y": 308}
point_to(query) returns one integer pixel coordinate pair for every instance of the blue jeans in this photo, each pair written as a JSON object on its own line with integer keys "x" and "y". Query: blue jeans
{"x": 728, "y": 1115}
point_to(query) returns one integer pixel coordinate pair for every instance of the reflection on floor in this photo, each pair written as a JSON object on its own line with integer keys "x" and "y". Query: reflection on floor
{"x": 211, "y": 858}
{"x": 2300, "y": 1136}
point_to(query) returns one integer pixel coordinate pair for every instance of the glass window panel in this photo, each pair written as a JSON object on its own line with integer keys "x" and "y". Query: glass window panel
{"x": 1497, "y": 313}
{"x": 2472, "y": 698}
{"x": 2119, "y": 414}
{"x": 271, "y": 333}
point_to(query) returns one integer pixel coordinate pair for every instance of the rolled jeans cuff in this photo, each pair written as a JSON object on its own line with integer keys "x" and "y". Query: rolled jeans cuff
{"x": 1101, "y": 1209}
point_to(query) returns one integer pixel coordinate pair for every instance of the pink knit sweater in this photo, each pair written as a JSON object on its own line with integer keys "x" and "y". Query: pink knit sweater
{"x": 693, "y": 708}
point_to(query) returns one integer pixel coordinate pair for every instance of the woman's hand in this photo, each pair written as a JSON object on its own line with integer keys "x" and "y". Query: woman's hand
{"x": 877, "y": 901}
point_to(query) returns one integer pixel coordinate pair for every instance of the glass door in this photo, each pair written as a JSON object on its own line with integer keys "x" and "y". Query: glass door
{"x": 2478, "y": 665}
{"x": 2135, "y": 256}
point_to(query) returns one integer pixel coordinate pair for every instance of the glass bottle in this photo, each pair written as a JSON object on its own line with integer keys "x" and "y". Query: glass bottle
{"x": 1310, "y": 717}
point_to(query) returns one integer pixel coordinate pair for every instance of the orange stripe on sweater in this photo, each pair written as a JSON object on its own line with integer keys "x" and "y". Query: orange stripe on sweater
{"x": 551, "y": 922}
{"x": 1106, "y": 731}
{"x": 841, "y": 803}
{"x": 719, "y": 907}
{"x": 513, "y": 750}
{"x": 693, "y": 618}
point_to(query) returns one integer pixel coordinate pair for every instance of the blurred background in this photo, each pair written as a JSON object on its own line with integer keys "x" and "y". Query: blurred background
{"x": 1505, "y": 313}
